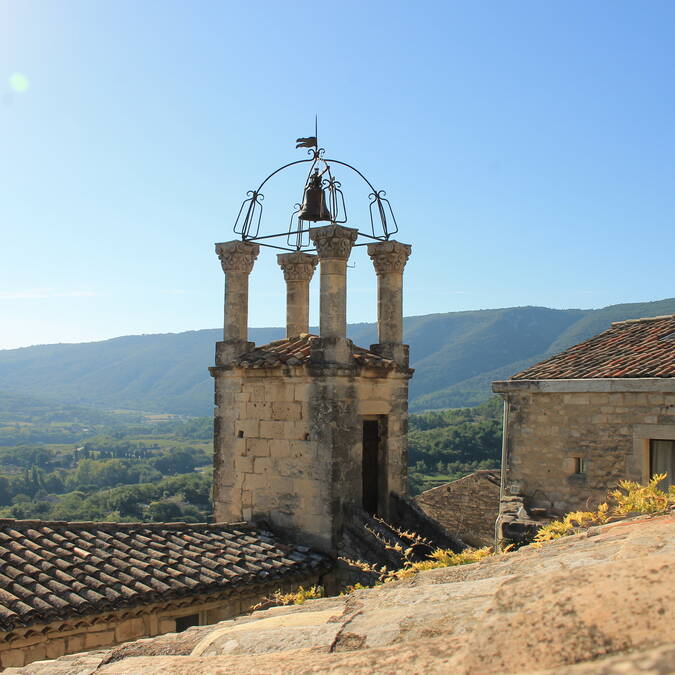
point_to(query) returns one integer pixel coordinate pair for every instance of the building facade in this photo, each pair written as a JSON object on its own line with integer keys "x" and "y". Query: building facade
{"x": 581, "y": 421}
{"x": 310, "y": 428}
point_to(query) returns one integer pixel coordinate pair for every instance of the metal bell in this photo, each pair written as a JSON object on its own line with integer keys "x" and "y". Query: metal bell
{"x": 314, "y": 201}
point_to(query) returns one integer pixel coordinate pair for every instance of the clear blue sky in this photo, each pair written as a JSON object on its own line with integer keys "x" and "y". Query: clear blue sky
{"x": 528, "y": 149}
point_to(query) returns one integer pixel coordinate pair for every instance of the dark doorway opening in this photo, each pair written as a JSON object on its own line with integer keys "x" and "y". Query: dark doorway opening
{"x": 185, "y": 622}
{"x": 370, "y": 467}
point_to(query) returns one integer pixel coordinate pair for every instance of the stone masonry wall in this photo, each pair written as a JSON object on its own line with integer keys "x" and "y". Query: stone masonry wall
{"x": 266, "y": 466}
{"x": 610, "y": 431}
{"x": 288, "y": 445}
{"x": 86, "y": 632}
{"x": 467, "y": 507}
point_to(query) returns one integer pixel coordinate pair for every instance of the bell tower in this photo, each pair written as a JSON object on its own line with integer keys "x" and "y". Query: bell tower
{"x": 312, "y": 428}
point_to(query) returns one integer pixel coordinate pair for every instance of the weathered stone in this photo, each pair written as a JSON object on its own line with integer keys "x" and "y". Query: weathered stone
{"x": 467, "y": 507}
{"x": 298, "y": 270}
{"x": 565, "y": 450}
{"x": 236, "y": 258}
{"x": 333, "y": 244}
{"x": 389, "y": 259}
{"x": 99, "y": 638}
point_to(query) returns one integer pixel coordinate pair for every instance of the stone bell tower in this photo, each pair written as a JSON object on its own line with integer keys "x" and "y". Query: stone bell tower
{"x": 311, "y": 428}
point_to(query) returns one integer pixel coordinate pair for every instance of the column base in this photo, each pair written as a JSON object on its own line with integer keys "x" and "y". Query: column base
{"x": 395, "y": 351}
{"x": 333, "y": 350}
{"x": 228, "y": 350}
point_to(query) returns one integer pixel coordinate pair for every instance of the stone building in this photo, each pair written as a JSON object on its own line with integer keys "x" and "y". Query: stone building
{"x": 72, "y": 587}
{"x": 579, "y": 422}
{"x": 311, "y": 428}
{"x": 467, "y": 507}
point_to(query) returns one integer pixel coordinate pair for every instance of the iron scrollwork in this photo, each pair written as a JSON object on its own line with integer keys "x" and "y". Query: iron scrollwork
{"x": 249, "y": 218}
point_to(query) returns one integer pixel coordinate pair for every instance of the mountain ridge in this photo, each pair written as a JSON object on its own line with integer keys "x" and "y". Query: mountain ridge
{"x": 455, "y": 355}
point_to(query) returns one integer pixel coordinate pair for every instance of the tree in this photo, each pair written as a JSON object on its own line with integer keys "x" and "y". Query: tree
{"x": 176, "y": 460}
{"x": 164, "y": 511}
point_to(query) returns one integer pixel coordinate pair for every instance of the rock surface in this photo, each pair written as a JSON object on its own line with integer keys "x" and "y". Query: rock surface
{"x": 600, "y": 603}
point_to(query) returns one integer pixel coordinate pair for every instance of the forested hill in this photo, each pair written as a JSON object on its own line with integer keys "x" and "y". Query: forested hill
{"x": 456, "y": 355}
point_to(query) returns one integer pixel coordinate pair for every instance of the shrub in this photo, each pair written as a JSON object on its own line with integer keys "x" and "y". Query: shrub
{"x": 439, "y": 557}
{"x": 630, "y": 498}
{"x": 297, "y": 598}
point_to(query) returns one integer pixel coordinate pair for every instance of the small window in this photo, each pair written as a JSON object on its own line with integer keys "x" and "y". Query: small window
{"x": 662, "y": 460}
{"x": 185, "y": 622}
{"x": 579, "y": 465}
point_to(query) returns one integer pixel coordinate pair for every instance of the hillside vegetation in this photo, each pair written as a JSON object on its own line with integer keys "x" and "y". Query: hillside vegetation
{"x": 149, "y": 471}
{"x": 455, "y": 355}
{"x": 109, "y": 468}
{"x": 445, "y": 445}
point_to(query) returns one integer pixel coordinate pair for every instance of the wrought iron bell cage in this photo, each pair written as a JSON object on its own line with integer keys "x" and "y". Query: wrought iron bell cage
{"x": 328, "y": 206}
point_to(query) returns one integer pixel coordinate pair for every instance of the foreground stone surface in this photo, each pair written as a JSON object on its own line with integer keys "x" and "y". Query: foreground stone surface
{"x": 596, "y": 603}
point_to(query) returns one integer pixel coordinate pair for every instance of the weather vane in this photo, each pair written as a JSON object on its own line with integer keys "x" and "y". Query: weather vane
{"x": 310, "y": 141}
{"x": 323, "y": 201}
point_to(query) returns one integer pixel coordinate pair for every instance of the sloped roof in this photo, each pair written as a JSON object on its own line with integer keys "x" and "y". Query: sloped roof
{"x": 297, "y": 350}
{"x": 634, "y": 348}
{"x": 56, "y": 570}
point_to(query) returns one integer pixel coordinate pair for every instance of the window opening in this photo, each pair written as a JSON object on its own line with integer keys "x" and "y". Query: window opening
{"x": 662, "y": 460}
{"x": 579, "y": 465}
{"x": 185, "y": 622}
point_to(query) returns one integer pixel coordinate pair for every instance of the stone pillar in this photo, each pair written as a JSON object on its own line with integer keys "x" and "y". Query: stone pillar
{"x": 236, "y": 258}
{"x": 298, "y": 270}
{"x": 389, "y": 259}
{"x": 333, "y": 244}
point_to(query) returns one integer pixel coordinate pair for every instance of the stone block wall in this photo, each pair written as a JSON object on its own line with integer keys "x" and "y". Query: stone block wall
{"x": 549, "y": 431}
{"x": 87, "y": 632}
{"x": 288, "y": 444}
{"x": 467, "y": 508}
{"x": 266, "y": 465}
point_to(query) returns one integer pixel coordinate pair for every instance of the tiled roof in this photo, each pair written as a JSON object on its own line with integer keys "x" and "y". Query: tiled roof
{"x": 296, "y": 351}
{"x": 57, "y": 570}
{"x": 634, "y": 348}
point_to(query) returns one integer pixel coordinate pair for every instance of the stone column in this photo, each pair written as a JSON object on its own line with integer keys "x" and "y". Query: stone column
{"x": 333, "y": 244}
{"x": 298, "y": 270}
{"x": 236, "y": 258}
{"x": 389, "y": 259}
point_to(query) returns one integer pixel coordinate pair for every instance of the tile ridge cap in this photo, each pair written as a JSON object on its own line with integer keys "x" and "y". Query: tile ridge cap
{"x": 662, "y": 317}
{"x": 104, "y": 524}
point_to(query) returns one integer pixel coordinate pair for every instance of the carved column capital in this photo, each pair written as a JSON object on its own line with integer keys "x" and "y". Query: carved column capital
{"x": 389, "y": 256}
{"x": 298, "y": 266}
{"x": 237, "y": 256}
{"x": 333, "y": 241}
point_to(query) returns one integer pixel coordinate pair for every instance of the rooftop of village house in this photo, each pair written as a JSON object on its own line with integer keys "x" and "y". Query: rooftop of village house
{"x": 628, "y": 349}
{"x": 56, "y": 570}
{"x": 296, "y": 351}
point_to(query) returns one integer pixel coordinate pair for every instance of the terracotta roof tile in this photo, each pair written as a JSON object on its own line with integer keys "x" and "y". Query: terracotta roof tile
{"x": 297, "y": 351}
{"x": 635, "y": 348}
{"x": 54, "y": 570}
